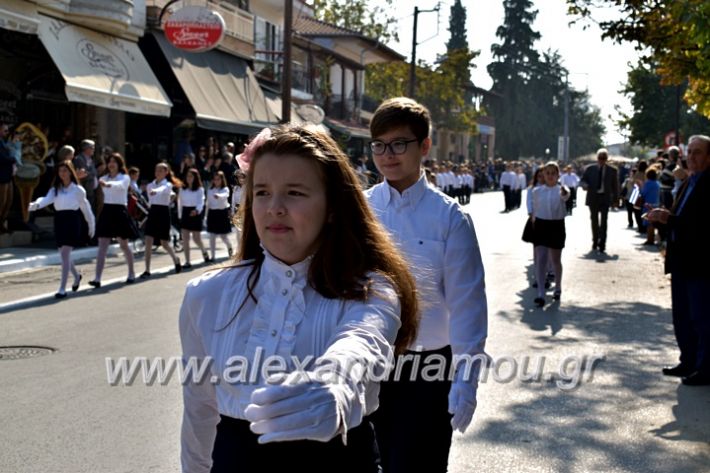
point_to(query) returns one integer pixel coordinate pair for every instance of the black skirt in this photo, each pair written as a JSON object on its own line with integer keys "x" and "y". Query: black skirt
{"x": 236, "y": 449}
{"x": 218, "y": 221}
{"x": 67, "y": 228}
{"x": 114, "y": 222}
{"x": 158, "y": 224}
{"x": 549, "y": 233}
{"x": 189, "y": 222}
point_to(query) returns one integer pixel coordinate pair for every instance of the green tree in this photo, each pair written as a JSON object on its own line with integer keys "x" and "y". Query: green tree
{"x": 457, "y": 27}
{"x": 654, "y": 108}
{"x": 676, "y": 34}
{"x": 358, "y": 15}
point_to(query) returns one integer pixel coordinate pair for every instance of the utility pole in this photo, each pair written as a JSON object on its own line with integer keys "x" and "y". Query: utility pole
{"x": 286, "y": 66}
{"x": 677, "y": 115}
{"x": 565, "y": 131}
{"x": 413, "y": 65}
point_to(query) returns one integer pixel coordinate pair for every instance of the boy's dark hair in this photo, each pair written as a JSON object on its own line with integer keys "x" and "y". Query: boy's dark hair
{"x": 401, "y": 112}
{"x": 133, "y": 170}
{"x": 651, "y": 174}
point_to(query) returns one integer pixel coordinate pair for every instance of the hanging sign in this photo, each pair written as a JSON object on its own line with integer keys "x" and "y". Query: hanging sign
{"x": 194, "y": 29}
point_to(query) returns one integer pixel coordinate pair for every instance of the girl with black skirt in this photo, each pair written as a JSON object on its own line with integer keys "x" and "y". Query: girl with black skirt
{"x": 548, "y": 220}
{"x": 114, "y": 221}
{"x": 191, "y": 203}
{"x": 157, "y": 226}
{"x": 218, "y": 213}
{"x": 70, "y": 203}
{"x": 283, "y": 299}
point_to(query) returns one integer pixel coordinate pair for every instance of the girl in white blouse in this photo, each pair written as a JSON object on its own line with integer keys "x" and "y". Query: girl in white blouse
{"x": 157, "y": 227}
{"x": 548, "y": 217}
{"x": 114, "y": 221}
{"x": 191, "y": 203}
{"x": 311, "y": 309}
{"x": 237, "y": 194}
{"x": 218, "y": 224}
{"x": 70, "y": 203}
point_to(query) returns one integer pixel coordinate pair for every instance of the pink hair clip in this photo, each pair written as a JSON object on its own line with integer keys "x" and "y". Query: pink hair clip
{"x": 244, "y": 159}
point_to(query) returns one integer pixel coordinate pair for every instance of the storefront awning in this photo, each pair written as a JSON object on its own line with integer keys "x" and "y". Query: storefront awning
{"x": 274, "y": 101}
{"x": 16, "y": 15}
{"x": 351, "y": 129}
{"x": 221, "y": 88}
{"x": 103, "y": 70}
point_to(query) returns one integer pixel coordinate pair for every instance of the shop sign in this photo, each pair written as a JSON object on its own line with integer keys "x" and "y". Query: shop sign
{"x": 195, "y": 28}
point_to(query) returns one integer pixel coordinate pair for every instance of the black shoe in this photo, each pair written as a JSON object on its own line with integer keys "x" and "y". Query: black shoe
{"x": 230, "y": 252}
{"x": 145, "y": 275}
{"x": 557, "y": 295}
{"x": 178, "y": 266}
{"x": 697, "y": 379}
{"x": 548, "y": 284}
{"x": 187, "y": 266}
{"x": 205, "y": 257}
{"x": 60, "y": 295}
{"x": 678, "y": 370}
{"x": 96, "y": 284}
{"x": 594, "y": 247}
{"x": 75, "y": 286}
{"x": 602, "y": 249}
{"x": 539, "y": 301}
{"x": 534, "y": 285}
{"x": 130, "y": 280}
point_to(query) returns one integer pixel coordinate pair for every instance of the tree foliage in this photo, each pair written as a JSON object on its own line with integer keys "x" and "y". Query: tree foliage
{"x": 529, "y": 93}
{"x": 654, "y": 106}
{"x": 457, "y": 27}
{"x": 358, "y": 15}
{"x": 676, "y": 33}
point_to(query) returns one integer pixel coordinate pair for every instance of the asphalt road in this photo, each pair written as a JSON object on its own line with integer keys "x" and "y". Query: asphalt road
{"x": 60, "y": 414}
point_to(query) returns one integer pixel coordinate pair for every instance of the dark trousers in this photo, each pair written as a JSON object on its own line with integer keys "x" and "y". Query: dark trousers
{"x": 691, "y": 320}
{"x": 508, "y": 196}
{"x": 572, "y": 199}
{"x": 599, "y": 213}
{"x": 412, "y": 424}
{"x": 5, "y": 202}
{"x": 629, "y": 212}
{"x": 236, "y": 450}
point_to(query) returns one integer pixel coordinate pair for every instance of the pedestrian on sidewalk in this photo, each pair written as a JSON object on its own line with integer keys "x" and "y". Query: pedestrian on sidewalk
{"x": 651, "y": 195}
{"x": 601, "y": 182}
{"x": 114, "y": 221}
{"x": 316, "y": 278}
{"x": 548, "y": 222}
{"x": 70, "y": 204}
{"x": 570, "y": 180}
{"x": 218, "y": 224}
{"x": 508, "y": 181}
{"x": 191, "y": 204}
{"x": 688, "y": 262}
{"x": 157, "y": 227}
{"x": 417, "y": 414}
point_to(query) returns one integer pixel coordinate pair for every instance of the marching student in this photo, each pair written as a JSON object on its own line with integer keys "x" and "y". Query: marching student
{"x": 316, "y": 278}
{"x": 157, "y": 227}
{"x": 417, "y": 416}
{"x": 114, "y": 221}
{"x": 70, "y": 204}
{"x": 570, "y": 180}
{"x": 191, "y": 203}
{"x": 548, "y": 221}
{"x": 218, "y": 223}
{"x": 508, "y": 182}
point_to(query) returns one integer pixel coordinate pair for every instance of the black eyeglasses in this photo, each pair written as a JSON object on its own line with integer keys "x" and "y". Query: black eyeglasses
{"x": 396, "y": 147}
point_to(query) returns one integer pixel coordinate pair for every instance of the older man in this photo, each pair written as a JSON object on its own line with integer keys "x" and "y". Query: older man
{"x": 688, "y": 262}
{"x": 601, "y": 181}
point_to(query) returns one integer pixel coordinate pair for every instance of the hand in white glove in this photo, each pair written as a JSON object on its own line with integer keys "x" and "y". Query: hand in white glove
{"x": 299, "y": 408}
{"x": 462, "y": 404}
{"x": 33, "y": 206}
{"x": 92, "y": 230}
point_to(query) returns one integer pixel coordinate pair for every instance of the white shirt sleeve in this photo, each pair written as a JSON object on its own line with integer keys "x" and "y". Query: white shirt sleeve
{"x": 529, "y": 200}
{"x": 42, "y": 202}
{"x": 200, "y": 414}
{"x": 85, "y": 208}
{"x": 464, "y": 289}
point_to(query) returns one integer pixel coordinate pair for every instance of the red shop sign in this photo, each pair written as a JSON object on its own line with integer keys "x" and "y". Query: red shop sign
{"x": 194, "y": 29}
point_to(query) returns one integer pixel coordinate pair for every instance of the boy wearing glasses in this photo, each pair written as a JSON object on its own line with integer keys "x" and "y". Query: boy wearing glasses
{"x": 420, "y": 407}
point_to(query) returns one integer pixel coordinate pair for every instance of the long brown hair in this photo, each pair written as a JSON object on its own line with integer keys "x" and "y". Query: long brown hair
{"x": 57, "y": 182}
{"x": 121, "y": 163}
{"x": 170, "y": 176}
{"x": 352, "y": 242}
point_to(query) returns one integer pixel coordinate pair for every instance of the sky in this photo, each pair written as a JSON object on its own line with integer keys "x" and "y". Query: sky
{"x": 595, "y": 65}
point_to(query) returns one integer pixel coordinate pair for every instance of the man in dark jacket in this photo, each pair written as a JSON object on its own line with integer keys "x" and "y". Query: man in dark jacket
{"x": 688, "y": 262}
{"x": 601, "y": 181}
{"x": 7, "y": 161}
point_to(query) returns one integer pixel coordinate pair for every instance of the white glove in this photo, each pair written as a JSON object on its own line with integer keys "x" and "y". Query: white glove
{"x": 92, "y": 230}
{"x": 299, "y": 408}
{"x": 462, "y": 404}
{"x": 33, "y": 206}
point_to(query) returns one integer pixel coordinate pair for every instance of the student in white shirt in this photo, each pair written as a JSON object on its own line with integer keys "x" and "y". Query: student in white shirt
{"x": 70, "y": 203}
{"x": 157, "y": 227}
{"x": 570, "y": 180}
{"x": 548, "y": 219}
{"x": 114, "y": 221}
{"x": 316, "y": 284}
{"x": 191, "y": 203}
{"x": 218, "y": 223}
{"x": 507, "y": 183}
{"x": 416, "y": 418}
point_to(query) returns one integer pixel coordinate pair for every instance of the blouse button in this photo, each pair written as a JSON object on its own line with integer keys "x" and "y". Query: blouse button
{"x": 284, "y": 292}
{"x": 273, "y": 333}
{"x": 289, "y": 273}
